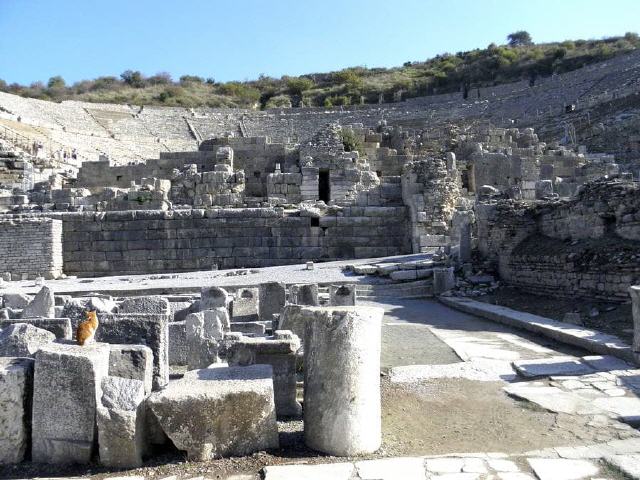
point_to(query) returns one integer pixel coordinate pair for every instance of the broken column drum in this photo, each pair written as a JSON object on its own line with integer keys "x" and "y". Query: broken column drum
{"x": 342, "y": 379}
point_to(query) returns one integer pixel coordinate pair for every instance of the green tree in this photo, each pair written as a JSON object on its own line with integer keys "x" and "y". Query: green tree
{"x": 298, "y": 85}
{"x": 191, "y": 79}
{"x": 56, "y": 82}
{"x": 519, "y": 38}
{"x": 132, "y": 78}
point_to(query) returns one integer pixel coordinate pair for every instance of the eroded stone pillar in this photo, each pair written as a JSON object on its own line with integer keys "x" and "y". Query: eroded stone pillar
{"x": 342, "y": 379}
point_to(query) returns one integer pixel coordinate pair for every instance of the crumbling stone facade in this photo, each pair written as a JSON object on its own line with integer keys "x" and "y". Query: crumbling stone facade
{"x": 587, "y": 246}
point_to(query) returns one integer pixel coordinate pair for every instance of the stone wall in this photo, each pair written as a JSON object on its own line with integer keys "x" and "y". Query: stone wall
{"x": 587, "y": 246}
{"x": 31, "y": 247}
{"x": 154, "y": 241}
{"x": 431, "y": 191}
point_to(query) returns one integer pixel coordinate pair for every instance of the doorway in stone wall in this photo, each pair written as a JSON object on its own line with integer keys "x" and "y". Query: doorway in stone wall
{"x": 324, "y": 185}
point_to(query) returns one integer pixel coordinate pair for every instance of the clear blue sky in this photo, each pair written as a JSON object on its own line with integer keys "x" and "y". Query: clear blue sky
{"x": 241, "y": 39}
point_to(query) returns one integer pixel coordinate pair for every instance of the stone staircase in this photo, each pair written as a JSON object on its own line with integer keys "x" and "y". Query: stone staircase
{"x": 415, "y": 289}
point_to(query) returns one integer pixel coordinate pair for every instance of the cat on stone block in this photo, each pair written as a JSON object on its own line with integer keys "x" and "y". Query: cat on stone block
{"x": 87, "y": 329}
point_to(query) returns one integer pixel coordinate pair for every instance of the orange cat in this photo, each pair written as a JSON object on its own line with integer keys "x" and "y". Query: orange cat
{"x": 87, "y": 329}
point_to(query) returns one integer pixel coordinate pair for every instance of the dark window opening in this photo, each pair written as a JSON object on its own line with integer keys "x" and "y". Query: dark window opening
{"x": 256, "y": 174}
{"x": 324, "y": 186}
{"x": 379, "y": 173}
{"x": 315, "y": 222}
{"x": 118, "y": 178}
{"x": 465, "y": 180}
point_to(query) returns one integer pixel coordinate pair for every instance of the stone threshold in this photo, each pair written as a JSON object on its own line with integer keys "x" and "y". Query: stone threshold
{"x": 590, "y": 340}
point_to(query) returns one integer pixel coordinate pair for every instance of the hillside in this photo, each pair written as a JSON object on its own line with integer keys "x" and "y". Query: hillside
{"x": 445, "y": 73}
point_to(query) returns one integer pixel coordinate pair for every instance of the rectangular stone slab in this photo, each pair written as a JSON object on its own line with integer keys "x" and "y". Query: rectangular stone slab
{"x": 219, "y": 411}
{"x": 60, "y": 327}
{"x": 66, "y": 387}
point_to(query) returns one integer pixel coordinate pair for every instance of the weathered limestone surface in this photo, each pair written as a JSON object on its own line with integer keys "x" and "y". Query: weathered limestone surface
{"x": 120, "y": 419}
{"x": 255, "y": 328}
{"x": 60, "y": 327}
{"x": 178, "y": 348}
{"x": 23, "y": 340}
{"x": 342, "y": 412}
{"x": 204, "y": 331}
{"x": 151, "y": 330}
{"x": 133, "y": 362}
{"x": 66, "y": 388}
{"x": 219, "y": 412}
{"x": 153, "y": 304}
{"x": 16, "y": 386}
{"x": 42, "y": 305}
{"x": 273, "y": 296}
{"x": 214, "y": 297}
{"x": 245, "y": 305}
{"x": 38, "y": 240}
{"x": 15, "y": 300}
{"x": 443, "y": 280}
{"x": 279, "y": 351}
{"x": 306, "y": 294}
{"x": 291, "y": 319}
{"x": 342, "y": 295}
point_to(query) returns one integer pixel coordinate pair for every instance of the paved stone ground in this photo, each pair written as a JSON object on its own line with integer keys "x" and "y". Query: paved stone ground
{"x": 329, "y": 272}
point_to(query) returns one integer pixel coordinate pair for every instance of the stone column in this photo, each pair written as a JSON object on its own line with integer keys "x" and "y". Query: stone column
{"x": 342, "y": 295}
{"x": 635, "y": 298}
{"x": 66, "y": 390}
{"x": 272, "y": 299}
{"x": 342, "y": 379}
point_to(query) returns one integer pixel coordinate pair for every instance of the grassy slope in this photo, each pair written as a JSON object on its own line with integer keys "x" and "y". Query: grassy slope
{"x": 443, "y": 73}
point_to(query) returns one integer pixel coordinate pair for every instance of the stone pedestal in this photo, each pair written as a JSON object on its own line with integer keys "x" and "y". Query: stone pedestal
{"x": 66, "y": 389}
{"x": 342, "y": 295}
{"x": 272, "y": 299}
{"x": 342, "y": 379}
{"x": 16, "y": 383}
{"x": 279, "y": 351}
{"x": 444, "y": 279}
{"x": 304, "y": 295}
{"x": 635, "y": 298}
